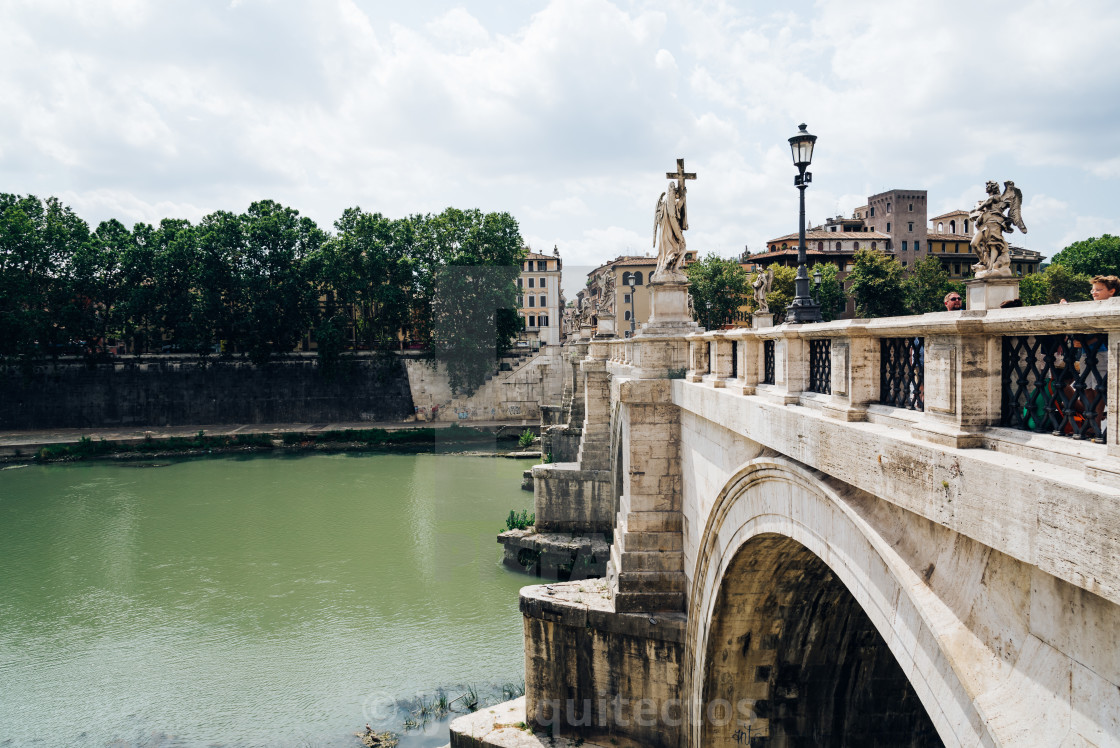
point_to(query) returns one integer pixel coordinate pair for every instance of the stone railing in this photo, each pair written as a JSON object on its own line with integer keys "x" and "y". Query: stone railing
{"x": 1035, "y": 377}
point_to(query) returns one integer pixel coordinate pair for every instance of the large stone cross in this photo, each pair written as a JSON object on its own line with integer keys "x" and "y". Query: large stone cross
{"x": 680, "y": 175}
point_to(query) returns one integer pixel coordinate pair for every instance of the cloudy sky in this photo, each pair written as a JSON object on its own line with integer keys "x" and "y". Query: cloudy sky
{"x": 566, "y": 113}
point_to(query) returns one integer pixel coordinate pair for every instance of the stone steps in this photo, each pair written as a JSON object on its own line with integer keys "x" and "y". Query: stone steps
{"x": 632, "y": 561}
{"x": 651, "y": 541}
{"x": 651, "y": 581}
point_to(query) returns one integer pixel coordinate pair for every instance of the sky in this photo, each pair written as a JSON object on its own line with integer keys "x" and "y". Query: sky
{"x": 565, "y": 113}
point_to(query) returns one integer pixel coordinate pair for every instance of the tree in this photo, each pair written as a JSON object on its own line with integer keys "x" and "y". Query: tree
{"x": 1094, "y": 256}
{"x": 96, "y": 285}
{"x": 280, "y": 298}
{"x": 221, "y": 307}
{"x": 471, "y": 261}
{"x": 830, "y": 294}
{"x": 367, "y": 266}
{"x": 876, "y": 284}
{"x": 38, "y": 239}
{"x": 1053, "y": 284}
{"x": 925, "y": 286}
{"x": 781, "y": 291}
{"x": 176, "y": 277}
{"x": 718, "y": 287}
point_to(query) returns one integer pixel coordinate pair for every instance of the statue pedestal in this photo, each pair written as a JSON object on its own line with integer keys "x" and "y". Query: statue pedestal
{"x": 760, "y": 320}
{"x": 989, "y": 293}
{"x": 668, "y": 310}
{"x": 585, "y": 332}
{"x": 606, "y": 327}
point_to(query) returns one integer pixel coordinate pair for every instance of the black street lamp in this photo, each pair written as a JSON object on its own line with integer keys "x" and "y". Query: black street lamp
{"x": 802, "y": 308}
{"x": 630, "y": 282}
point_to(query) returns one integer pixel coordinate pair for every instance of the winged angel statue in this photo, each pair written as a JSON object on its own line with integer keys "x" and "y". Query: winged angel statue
{"x": 670, "y": 219}
{"x": 991, "y": 224}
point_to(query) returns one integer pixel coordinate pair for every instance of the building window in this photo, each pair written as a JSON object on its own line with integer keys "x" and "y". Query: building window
{"x": 519, "y": 281}
{"x": 837, "y": 246}
{"x": 626, "y": 316}
{"x": 888, "y": 227}
{"x": 904, "y": 263}
{"x": 542, "y": 265}
{"x": 820, "y": 246}
{"x": 625, "y": 298}
{"x": 911, "y": 209}
{"x": 872, "y": 212}
{"x": 940, "y": 226}
{"x": 904, "y": 246}
{"x": 520, "y": 301}
{"x": 532, "y": 301}
{"x": 855, "y": 246}
{"x": 540, "y": 284}
{"x": 952, "y": 227}
{"x": 874, "y": 245}
{"x": 543, "y": 320}
{"x": 966, "y": 225}
{"x": 888, "y": 208}
{"x": 917, "y": 245}
{"x": 910, "y": 226}
{"x": 626, "y": 278}
{"x": 544, "y": 303}
{"x": 531, "y": 281}
{"x": 532, "y": 321}
{"x": 638, "y": 278}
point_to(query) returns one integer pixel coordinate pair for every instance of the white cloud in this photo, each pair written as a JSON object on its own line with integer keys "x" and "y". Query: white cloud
{"x": 568, "y": 115}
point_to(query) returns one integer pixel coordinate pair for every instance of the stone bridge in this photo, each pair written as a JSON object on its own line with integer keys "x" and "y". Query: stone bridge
{"x": 864, "y": 532}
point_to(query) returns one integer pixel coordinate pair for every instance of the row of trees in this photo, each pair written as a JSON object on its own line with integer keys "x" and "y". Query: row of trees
{"x": 256, "y": 282}
{"x": 881, "y": 287}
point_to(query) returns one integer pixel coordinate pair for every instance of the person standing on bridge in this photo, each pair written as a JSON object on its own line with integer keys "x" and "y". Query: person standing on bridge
{"x": 953, "y": 301}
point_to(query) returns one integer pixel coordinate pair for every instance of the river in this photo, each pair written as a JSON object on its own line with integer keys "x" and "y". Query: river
{"x": 252, "y": 601}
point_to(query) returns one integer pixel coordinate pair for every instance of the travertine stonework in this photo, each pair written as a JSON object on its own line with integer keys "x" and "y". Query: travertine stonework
{"x": 957, "y": 581}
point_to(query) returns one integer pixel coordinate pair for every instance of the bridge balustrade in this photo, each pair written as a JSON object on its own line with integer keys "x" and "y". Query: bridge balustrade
{"x": 820, "y": 366}
{"x": 1056, "y": 384}
{"x": 902, "y": 363}
{"x": 963, "y": 379}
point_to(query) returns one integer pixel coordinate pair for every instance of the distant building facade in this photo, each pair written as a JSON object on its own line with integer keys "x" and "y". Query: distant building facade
{"x": 539, "y": 298}
{"x": 895, "y": 223}
{"x": 631, "y": 293}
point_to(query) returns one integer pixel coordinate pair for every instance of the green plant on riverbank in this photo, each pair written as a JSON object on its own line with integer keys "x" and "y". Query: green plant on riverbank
{"x": 522, "y": 521}
{"x": 526, "y": 439}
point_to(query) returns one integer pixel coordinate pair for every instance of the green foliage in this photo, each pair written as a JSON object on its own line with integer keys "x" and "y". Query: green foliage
{"x": 1094, "y": 256}
{"x": 1053, "y": 284}
{"x": 876, "y": 284}
{"x": 522, "y": 521}
{"x": 474, "y": 262}
{"x": 781, "y": 291}
{"x": 830, "y": 295}
{"x": 925, "y": 286}
{"x": 257, "y": 283}
{"x": 718, "y": 287}
{"x": 526, "y": 438}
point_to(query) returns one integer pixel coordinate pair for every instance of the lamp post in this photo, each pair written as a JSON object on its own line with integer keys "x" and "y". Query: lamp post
{"x": 630, "y": 282}
{"x": 802, "y": 308}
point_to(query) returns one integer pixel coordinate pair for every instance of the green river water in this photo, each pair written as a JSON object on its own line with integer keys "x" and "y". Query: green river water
{"x": 250, "y": 601}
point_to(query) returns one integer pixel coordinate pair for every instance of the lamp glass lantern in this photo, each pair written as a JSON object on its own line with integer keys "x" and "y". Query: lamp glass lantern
{"x": 801, "y": 146}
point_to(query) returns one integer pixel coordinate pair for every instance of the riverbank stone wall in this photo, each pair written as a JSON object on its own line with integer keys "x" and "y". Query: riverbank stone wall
{"x": 173, "y": 390}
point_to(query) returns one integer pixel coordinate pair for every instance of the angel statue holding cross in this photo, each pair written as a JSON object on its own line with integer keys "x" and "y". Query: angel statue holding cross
{"x": 670, "y": 220}
{"x": 991, "y": 224}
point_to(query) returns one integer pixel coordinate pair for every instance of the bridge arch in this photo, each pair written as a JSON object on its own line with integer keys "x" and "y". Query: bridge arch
{"x": 764, "y": 580}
